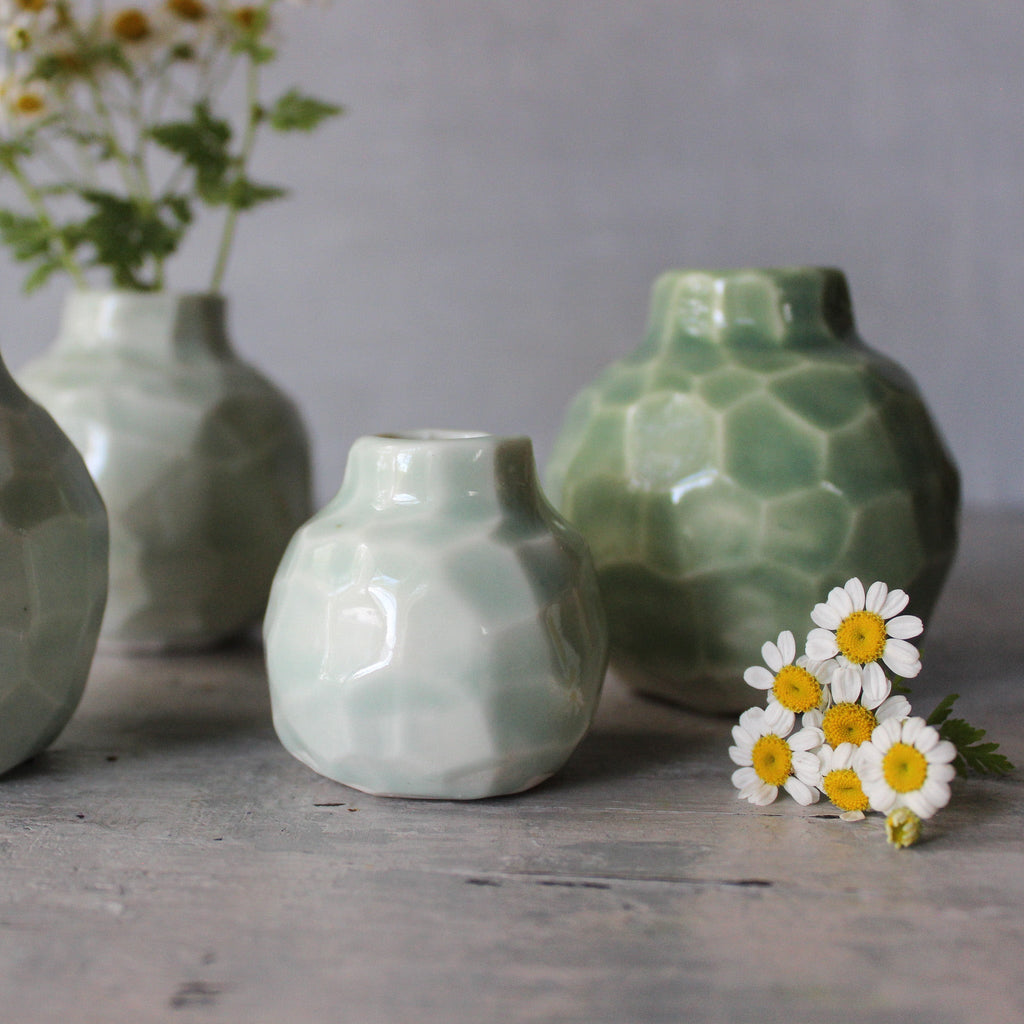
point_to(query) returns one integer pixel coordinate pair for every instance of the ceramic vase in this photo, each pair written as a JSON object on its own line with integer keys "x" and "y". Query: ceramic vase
{"x": 436, "y": 630}
{"x": 202, "y": 462}
{"x": 750, "y": 455}
{"x": 53, "y": 576}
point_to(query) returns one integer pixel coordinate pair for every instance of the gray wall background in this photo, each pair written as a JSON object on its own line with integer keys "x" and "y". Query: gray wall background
{"x": 476, "y": 239}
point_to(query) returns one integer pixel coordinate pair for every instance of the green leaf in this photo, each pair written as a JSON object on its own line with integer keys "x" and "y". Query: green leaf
{"x": 972, "y": 754}
{"x": 128, "y": 234}
{"x": 29, "y": 237}
{"x": 296, "y": 112}
{"x": 202, "y": 143}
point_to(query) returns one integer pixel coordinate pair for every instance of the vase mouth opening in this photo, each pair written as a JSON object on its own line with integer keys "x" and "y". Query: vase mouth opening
{"x": 434, "y": 434}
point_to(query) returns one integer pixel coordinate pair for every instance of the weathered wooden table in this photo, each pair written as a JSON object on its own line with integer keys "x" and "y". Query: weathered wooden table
{"x": 167, "y": 860}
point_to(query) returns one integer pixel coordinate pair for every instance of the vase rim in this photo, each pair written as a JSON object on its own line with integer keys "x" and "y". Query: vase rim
{"x": 428, "y": 435}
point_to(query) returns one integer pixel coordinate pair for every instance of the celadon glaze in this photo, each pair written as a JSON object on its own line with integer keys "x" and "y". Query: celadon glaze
{"x": 749, "y": 456}
{"x": 53, "y": 576}
{"x": 202, "y": 462}
{"x": 436, "y": 630}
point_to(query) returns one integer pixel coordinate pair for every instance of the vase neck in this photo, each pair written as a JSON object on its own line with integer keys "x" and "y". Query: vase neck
{"x": 782, "y": 307}
{"x": 158, "y": 325}
{"x": 481, "y": 473}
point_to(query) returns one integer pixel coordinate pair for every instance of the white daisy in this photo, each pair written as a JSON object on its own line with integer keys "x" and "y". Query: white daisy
{"x": 866, "y": 628}
{"x": 859, "y": 701}
{"x": 906, "y": 764}
{"x": 839, "y": 779}
{"x": 798, "y": 684}
{"x": 769, "y": 757}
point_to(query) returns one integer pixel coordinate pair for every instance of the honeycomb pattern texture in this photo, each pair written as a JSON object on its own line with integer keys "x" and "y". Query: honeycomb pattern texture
{"x": 750, "y": 455}
{"x": 53, "y": 554}
{"x": 202, "y": 463}
{"x": 436, "y": 630}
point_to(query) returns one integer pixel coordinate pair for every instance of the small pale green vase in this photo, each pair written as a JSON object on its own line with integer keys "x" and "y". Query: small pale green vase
{"x": 53, "y": 576}
{"x": 436, "y": 630}
{"x": 202, "y": 462}
{"x": 749, "y": 456}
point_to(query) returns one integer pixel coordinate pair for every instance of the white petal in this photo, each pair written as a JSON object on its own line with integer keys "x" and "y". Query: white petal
{"x": 821, "y": 645}
{"x": 894, "y": 603}
{"x": 826, "y": 616}
{"x": 881, "y": 797}
{"x": 911, "y": 729}
{"x": 942, "y": 753}
{"x": 941, "y": 772}
{"x": 877, "y": 593}
{"x": 741, "y": 755}
{"x": 855, "y": 589}
{"x": 851, "y": 816}
{"x": 876, "y": 686}
{"x": 742, "y": 737}
{"x": 843, "y": 756}
{"x": 807, "y": 767}
{"x": 840, "y": 599}
{"x": 919, "y": 804}
{"x": 764, "y": 795}
{"x": 826, "y": 759}
{"x": 896, "y": 706}
{"x": 886, "y": 734}
{"x": 806, "y": 739}
{"x": 846, "y": 685}
{"x": 752, "y": 721}
{"x": 902, "y": 658}
{"x": 787, "y": 647}
{"x": 779, "y": 720}
{"x": 771, "y": 655}
{"x": 936, "y": 792}
{"x": 745, "y": 777}
{"x": 800, "y": 791}
{"x": 812, "y": 719}
{"x": 759, "y": 678}
{"x": 903, "y": 627}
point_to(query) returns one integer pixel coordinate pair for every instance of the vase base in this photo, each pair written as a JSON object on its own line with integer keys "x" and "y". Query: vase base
{"x": 704, "y": 694}
{"x": 161, "y": 647}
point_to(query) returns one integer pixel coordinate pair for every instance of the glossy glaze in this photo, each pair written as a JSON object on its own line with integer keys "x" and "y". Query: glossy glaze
{"x": 202, "y": 462}
{"x": 53, "y": 576}
{"x": 436, "y": 630}
{"x": 750, "y": 455}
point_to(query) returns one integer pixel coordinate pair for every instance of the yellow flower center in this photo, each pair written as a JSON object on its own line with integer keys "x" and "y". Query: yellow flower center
{"x": 843, "y": 788}
{"x": 187, "y": 10}
{"x": 28, "y": 104}
{"x": 848, "y": 723}
{"x": 905, "y": 768}
{"x": 250, "y": 18}
{"x": 772, "y": 759}
{"x": 31, "y": 5}
{"x": 861, "y": 637}
{"x": 796, "y": 689}
{"x": 131, "y": 25}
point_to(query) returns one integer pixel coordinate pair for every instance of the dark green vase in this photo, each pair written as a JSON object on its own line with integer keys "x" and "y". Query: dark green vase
{"x": 750, "y": 455}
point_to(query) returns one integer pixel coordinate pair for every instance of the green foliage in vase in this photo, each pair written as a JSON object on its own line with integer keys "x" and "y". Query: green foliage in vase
{"x": 117, "y": 129}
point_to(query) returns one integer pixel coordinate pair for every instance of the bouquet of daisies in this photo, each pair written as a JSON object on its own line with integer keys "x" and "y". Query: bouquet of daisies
{"x": 119, "y": 124}
{"x": 858, "y": 741}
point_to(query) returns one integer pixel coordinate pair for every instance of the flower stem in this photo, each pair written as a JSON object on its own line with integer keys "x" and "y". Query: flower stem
{"x": 35, "y": 198}
{"x": 252, "y": 88}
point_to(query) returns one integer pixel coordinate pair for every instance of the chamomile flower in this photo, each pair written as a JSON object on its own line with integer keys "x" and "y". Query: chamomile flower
{"x": 866, "y": 629}
{"x": 771, "y": 755}
{"x": 839, "y": 779}
{"x": 860, "y": 701}
{"x": 906, "y": 764}
{"x": 798, "y": 684}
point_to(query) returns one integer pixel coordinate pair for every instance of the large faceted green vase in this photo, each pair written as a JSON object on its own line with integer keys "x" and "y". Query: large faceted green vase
{"x": 750, "y": 455}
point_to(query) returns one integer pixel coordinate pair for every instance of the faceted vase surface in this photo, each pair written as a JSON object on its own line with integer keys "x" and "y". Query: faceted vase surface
{"x": 436, "y": 630}
{"x": 750, "y": 455}
{"x": 53, "y": 576}
{"x": 202, "y": 462}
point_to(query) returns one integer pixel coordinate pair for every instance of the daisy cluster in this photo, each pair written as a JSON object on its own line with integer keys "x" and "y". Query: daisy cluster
{"x": 143, "y": 113}
{"x": 832, "y": 724}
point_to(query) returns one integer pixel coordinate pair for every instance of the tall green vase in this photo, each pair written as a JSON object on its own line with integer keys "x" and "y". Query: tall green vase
{"x": 750, "y": 455}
